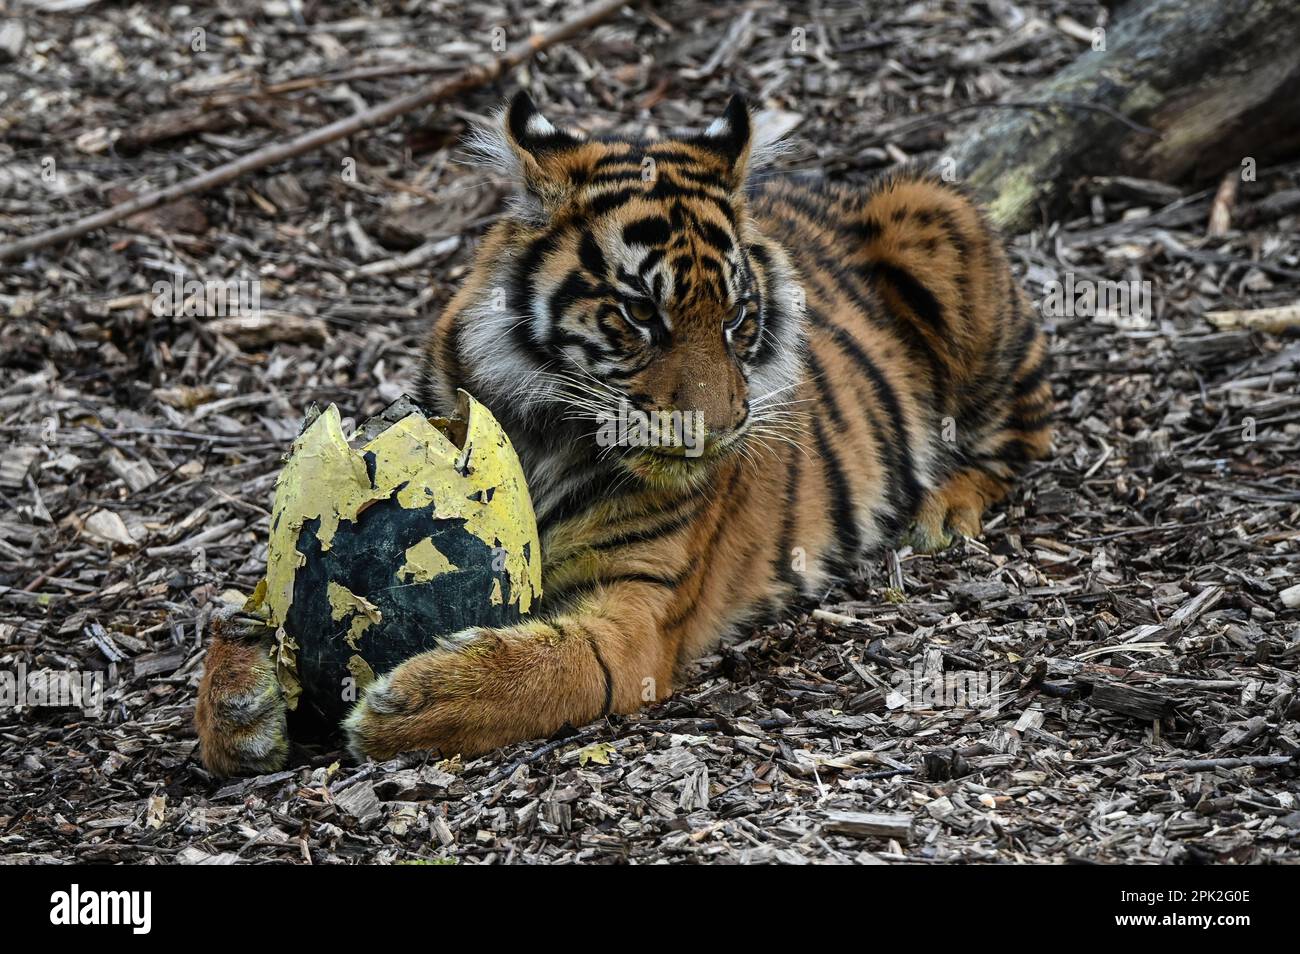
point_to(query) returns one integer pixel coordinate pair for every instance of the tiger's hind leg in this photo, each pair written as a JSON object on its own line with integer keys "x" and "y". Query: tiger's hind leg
{"x": 1020, "y": 431}
{"x": 955, "y": 509}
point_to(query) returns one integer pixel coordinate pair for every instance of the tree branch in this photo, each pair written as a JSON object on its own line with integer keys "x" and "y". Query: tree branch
{"x": 471, "y": 78}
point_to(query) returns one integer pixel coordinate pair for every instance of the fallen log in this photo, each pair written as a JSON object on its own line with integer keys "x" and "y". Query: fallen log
{"x": 1183, "y": 91}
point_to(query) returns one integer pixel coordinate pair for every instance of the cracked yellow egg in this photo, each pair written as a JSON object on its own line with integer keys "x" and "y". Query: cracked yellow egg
{"x": 380, "y": 550}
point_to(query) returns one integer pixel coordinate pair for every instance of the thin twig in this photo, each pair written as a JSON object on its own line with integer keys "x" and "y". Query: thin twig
{"x": 1244, "y": 761}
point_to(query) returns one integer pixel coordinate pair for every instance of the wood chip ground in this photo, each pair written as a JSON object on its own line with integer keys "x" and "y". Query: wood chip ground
{"x": 1135, "y": 603}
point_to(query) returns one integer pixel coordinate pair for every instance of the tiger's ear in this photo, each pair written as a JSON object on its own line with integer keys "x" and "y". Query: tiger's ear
{"x": 530, "y": 133}
{"x": 527, "y": 148}
{"x": 544, "y": 158}
{"x": 730, "y": 136}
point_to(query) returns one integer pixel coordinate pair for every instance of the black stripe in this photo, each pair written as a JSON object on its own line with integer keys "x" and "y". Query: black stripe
{"x": 609, "y": 201}
{"x": 716, "y": 236}
{"x": 946, "y": 222}
{"x": 452, "y": 369}
{"x": 600, "y": 661}
{"x": 617, "y": 159}
{"x": 817, "y": 214}
{"x": 783, "y": 570}
{"x": 919, "y": 299}
{"x": 592, "y": 258}
{"x": 651, "y": 230}
{"x": 846, "y": 282}
{"x": 672, "y": 154}
{"x": 592, "y": 352}
{"x": 712, "y": 264}
{"x": 609, "y": 677}
{"x": 703, "y": 177}
{"x": 848, "y": 539}
{"x": 1030, "y": 381}
{"x": 1026, "y": 329}
{"x": 681, "y": 266}
{"x": 580, "y": 499}
{"x": 1027, "y": 422}
{"x": 605, "y": 178}
{"x": 653, "y": 258}
{"x": 1029, "y": 330}
{"x": 665, "y": 189}
{"x": 771, "y": 310}
{"x": 647, "y": 534}
{"x": 573, "y": 289}
{"x": 520, "y": 294}
{"x": 618, "y": 375}
{"x": 865, "y": 229}
{"x": 904, "y": 485}
{"x": 688, "y": 605}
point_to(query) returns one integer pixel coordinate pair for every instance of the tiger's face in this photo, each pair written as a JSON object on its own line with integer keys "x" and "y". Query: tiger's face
{"x": 633, "y": 300}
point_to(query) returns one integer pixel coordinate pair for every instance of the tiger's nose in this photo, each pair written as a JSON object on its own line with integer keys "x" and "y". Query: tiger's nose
{"x": 719, "y": 405}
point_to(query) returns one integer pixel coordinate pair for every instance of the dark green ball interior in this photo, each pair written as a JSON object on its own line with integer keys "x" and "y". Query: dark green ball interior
{"x": 365, "y": 556}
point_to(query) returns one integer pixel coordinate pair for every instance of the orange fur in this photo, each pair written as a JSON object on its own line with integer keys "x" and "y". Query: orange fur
{"x": 240, "y": 716}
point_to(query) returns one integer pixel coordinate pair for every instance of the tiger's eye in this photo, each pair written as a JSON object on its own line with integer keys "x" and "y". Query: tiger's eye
{"x": 640, "y": 311}
{"x": 738, "y": 318}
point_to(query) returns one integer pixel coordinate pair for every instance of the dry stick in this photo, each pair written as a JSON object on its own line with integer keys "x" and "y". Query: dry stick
{"x": 1205, "y": 765}
{"x": 470, "y": 79}
{"x": 295, "y": 84}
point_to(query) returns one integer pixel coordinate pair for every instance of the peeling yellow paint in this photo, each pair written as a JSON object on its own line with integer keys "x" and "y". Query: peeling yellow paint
{"x": 485, "y": 467}
{"x": 424, "y": 561}
{"x": 254, "y": 602}
{"x": 362, "y": 674}
{"x": 345, "y": 603}
{"x": 285, "y": 654}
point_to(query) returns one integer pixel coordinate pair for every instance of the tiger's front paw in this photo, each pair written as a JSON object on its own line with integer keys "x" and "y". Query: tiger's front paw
{"x": 241, "y": 716}
{"x": 452, "y": 701}
{"x": 936, "y": 534}
{"x": 936, "y": 530}
{"x": 485, "y": 689}
{"x": 415, "y": 706}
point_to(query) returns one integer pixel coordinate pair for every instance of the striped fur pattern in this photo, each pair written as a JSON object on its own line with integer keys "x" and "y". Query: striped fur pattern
{"x": 861, "y": 362}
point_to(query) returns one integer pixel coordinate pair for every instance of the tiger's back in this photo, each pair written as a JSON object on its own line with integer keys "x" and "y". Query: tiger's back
{"x": 925, "y": 360}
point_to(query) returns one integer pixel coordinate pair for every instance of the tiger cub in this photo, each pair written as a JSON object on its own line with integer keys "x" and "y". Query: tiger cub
{"x": 809, "y": 371}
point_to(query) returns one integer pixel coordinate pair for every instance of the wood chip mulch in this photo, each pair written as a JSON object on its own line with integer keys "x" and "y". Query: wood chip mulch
{"x": 1135, "y": 604}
